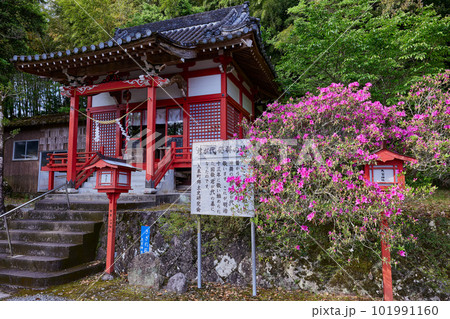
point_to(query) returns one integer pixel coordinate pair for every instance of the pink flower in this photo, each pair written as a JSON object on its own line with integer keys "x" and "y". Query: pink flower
{"x": 298, "y": 247}
{"x": 304, "y": 228}
{"x": 402, "y": 253}
{"x": 311, "y": 216}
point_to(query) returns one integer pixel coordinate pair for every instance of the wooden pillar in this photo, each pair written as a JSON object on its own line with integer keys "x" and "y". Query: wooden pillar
{"x": 118, "y": 136}
{"x": 51, "y": 180}
{"x": 386, "y": 260}
{"x": 150, "y": 140}
{"x": 241, "y": 129}
{"x": 223, "y": 105}
{"x": 89, "y": 125}
{"x": 72, "y": 145}
{"x": 111, "y": 237}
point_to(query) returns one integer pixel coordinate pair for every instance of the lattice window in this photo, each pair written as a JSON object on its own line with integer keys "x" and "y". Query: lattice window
{"x": 233, "y": 121}
{"x": 204, "y": 122}
{"x": 107, "y": 134}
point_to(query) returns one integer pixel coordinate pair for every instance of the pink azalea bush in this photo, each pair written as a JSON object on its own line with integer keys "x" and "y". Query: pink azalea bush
{"x": 308, "y": 162}
{"x": 426, "y": 121}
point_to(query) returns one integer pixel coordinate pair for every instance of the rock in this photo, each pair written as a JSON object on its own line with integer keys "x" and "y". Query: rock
{"x": 3, "y": 295}
{"x": 435, "y": 298}
{"x": 226, "y": 266}
{"x": 145, "y": 270}
{"x": 245, "y": 267}
{"x": 177, "y": 283}
{"x": 107, "y": 277}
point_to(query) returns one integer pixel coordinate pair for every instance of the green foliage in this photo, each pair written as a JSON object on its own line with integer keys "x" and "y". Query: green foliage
{"x": 345, "y": 41}
{"x": 33, "y": 96}
{"x": 20, "y": 20}
{"x": 176, "y": 223}
{"x": 86, "y": 22}
{"x": 177, "y": 8}
{"x": 149, "y": 12}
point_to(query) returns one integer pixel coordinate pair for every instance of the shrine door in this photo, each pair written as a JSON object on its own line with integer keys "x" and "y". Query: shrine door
{"x": 108, "y": 134}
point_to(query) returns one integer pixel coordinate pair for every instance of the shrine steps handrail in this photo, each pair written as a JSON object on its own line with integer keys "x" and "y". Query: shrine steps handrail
{"x": 25, "y": 204}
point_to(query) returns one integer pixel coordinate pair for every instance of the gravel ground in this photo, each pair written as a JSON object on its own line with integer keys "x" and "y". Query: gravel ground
{"x": 38, "y": 297}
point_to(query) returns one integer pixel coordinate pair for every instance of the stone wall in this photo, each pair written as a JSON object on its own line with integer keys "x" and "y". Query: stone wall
{"x": 226, "y": 258}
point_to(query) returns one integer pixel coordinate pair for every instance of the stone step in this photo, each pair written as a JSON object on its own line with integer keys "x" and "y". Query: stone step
{"x": 66, "y": 225}
{"x": 35, "y": 263}
{"x": 65, "y": 215}
{"x": 54, "y": 236}
{"x": 24, "y": 278}
{"x": 61, "y": 250}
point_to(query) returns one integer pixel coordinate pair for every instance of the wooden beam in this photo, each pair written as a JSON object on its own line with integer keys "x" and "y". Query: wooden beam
{"x": 143, "y": 81}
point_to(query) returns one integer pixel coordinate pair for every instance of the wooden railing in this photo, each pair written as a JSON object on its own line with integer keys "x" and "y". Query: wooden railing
{"x": 175, "y": 157}
{"x": 57, "y": 162}
{"x": 164, "y": 164}
{"x": 83, "y": 174}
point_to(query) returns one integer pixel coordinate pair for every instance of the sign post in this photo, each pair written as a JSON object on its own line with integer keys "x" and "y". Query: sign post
{"x": 199, "y": 254}
{"x": 387, "y": 172}
{"x": 113, "y": 178}
{"x": 212, "y": 164}
{"x": 253, "y": 258}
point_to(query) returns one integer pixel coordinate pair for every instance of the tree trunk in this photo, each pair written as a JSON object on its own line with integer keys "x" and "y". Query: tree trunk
{"x": 3, "y": 94}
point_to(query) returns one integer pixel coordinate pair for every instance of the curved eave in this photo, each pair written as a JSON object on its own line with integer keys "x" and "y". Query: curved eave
{"x": 126, "y": 53}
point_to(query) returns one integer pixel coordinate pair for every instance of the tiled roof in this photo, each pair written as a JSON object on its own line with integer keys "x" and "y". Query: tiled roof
{"x": 188, "y": 31}
{"x": 185, "y": 37}
{"x": 200, "y": 28}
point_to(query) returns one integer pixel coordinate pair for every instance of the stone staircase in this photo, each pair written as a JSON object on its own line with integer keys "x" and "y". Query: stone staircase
{"x": 53, "y": 245}
{"x": 50, "y": 246}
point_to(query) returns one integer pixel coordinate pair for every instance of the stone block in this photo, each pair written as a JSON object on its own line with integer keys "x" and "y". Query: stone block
{"x": 145, "y": 270}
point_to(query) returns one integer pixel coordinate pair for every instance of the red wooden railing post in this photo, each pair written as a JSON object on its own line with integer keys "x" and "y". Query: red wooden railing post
{"x": 51, "y": 180}
{"x": 173, "y": 147}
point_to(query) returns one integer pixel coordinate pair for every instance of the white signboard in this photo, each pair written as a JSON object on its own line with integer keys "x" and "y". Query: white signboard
{"x": 383, "y": 174}
{"x": 212, "y": 163}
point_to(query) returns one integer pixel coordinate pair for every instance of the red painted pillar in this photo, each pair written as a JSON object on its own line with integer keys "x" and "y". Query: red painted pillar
{"x": 72, "y": 145}
{"x": 111, "y": 239}
{"x": 150, "y": 140}
{"x": 223, "y": 105}
{"x": 89, "y": 125}
{"x": 51, "y": 180}
{"x": 386, "y": 260}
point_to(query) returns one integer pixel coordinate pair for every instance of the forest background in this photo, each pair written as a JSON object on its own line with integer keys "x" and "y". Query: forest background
{"x": 312, "y": 43}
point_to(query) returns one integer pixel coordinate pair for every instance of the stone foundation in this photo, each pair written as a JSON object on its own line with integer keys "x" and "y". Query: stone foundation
{"x": 226, "y": 258}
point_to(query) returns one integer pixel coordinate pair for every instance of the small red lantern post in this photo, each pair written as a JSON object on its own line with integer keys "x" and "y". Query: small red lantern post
{"x": 387, "y": 172}
{"x": 113, "y": 178}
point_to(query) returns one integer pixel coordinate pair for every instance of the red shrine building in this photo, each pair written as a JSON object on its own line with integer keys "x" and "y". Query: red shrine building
{"x": 154, "y": 89}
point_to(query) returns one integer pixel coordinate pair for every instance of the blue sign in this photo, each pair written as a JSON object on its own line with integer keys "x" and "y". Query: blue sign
{"x": 145, "y": 239}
